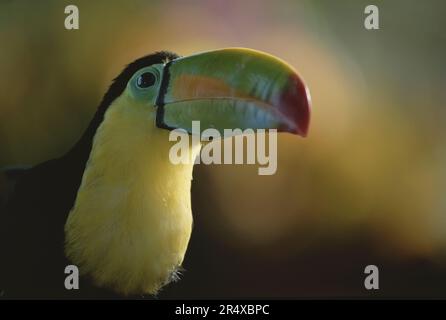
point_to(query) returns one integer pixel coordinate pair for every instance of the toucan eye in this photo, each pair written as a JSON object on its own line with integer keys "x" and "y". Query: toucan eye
{"x": 145, "y": 80}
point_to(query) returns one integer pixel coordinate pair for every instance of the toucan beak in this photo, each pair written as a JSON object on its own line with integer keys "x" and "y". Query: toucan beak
{"x": 233, "y": 88}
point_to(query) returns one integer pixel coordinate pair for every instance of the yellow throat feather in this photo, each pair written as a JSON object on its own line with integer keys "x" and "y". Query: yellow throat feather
{"x": 131, "y": 221}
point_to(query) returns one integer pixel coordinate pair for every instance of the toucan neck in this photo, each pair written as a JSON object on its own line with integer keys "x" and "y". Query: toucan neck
{"x": 131, "y": 222}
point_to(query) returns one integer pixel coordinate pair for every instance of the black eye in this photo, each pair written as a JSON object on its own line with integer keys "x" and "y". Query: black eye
{"x": 145, "y": 80}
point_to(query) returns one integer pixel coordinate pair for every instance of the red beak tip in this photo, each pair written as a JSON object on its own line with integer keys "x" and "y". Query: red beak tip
{"x": 296, "y": 105}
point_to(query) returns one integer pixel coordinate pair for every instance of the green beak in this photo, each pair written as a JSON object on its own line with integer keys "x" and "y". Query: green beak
{"x": 233, "y": 88}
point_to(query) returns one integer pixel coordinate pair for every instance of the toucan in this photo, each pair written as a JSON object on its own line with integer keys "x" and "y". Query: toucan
{"x": 114, "y": 205}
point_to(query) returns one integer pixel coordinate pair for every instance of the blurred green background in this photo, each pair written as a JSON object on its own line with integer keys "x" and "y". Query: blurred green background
{"x": 366, "y": 187}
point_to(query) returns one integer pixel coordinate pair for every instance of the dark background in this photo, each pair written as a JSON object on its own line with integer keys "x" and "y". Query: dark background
{"x": 366, "y": 187}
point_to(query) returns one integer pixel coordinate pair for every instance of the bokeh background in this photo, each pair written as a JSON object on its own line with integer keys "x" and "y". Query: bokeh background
{"x": 366, "y": 187}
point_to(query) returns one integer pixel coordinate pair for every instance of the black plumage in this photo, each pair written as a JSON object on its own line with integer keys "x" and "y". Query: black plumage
{"x": 37, "y": 203}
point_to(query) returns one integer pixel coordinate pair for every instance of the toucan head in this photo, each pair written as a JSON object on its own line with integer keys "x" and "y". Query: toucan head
{"x": 132, "y": 219}
{"x": 223, "y": 89}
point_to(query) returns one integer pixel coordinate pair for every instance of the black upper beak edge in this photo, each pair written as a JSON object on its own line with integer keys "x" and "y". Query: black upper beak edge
{"x": 160, "y": 99}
